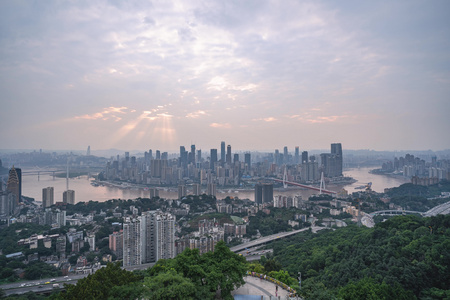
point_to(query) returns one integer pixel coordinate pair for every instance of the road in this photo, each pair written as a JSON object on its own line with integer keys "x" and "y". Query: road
{"x": 272, "y": 237}
{"x": 40, "y": 286}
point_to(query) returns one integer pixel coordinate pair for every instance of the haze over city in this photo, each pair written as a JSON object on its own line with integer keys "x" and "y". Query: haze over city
{"x": 257, "y": 74}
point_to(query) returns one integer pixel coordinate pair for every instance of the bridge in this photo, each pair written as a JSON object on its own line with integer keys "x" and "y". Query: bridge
{"x": 443, "y": 209}
{"x": 395, "y": 213}
{"x": 304, "y": 186}
{"x": 272, "y": 237}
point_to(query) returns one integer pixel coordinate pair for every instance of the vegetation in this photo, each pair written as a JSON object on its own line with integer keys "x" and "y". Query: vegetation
{"x": 406, "y": 256}
{"x": 187, "y": 276}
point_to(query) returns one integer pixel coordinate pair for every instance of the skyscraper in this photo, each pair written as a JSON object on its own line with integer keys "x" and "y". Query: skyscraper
{"x": 131, "y": 242}
{"x": 248, "y": 160}
{"x": 228, "y": 158}
{"x": 297, "y": 154}
{"x": 222, "y": 152}
{"x": 263, "y": 193}
{"x": 69, "y": 197}
{"x": 14, "y": 184}
{"x": 213, "y": 159}
{"x": 47, "y": 197}
{"x": 304, "y": 157}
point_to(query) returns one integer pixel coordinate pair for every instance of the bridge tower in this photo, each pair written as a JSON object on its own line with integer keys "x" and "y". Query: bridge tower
{"x": 322, "y": 184}
{"x": 285, "y": 177}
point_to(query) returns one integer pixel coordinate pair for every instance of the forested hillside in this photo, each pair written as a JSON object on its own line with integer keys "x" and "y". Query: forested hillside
{"x": 405, "y": 257}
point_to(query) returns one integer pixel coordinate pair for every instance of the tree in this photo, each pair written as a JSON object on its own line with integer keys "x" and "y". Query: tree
{"x": 99, "y": 285}
{"x": 169, "y": 285}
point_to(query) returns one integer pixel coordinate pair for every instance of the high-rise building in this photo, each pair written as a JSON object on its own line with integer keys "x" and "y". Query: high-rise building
{"x": 228, "y": 158}
{"x": 235, "y": 158}
{"x": 131, "y": 242}
{"x": 213, "y": 158}
{"x": 285, "y": 154}
{"x": 181, "y": 191}
{"x": 297, "y": 154}
{"x": 14, "y": 184}
{"x": 47, "y": 197}
{"x": 69, "y": 197}
{"x": 88, "y": 151}
{"x": 263, "y": 193}
{"x": 222, "y": 152}
{"x": 211, "y": 189}
{"x": 116, "y": 243}
{"x": 332, "y": 163}
{"x": 165, "y": 236}
{"x": 7, "y": 204}
{"x": 248, "y": 160}
{"x": 196, "y": 189}
{"x": 157, "y": 236}
{"x": 304, "y": 157}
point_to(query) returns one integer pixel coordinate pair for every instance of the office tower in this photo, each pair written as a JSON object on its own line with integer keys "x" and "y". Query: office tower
{"x": 285, "y": 154}
{"x": 331, "y": 163}
{"x": 235, "y": 158}
{"x": 150, "y": 154}
{"x": 156, "y": 168}
{"x": 304, "y": 157}
{"x": 165, "y": 156}
{"x": 14, "y": 184}
{"x": 69, "y": 197}
{"x": 196, "y": 189}
{"x": 199, "y": 156}
{"x": 181, "y": 191}
{"x": 248, "y": 161}
{"x": 336, "y": 151}
{"x": 267, "y": 192}
{"x": 263, "y": 193}
{"x": 88, "y": 152}
{"x": 158, "y": 154}
{"x": 297, "y": 154}
{"x": 222, "y": 152}
{"x": 228, "y": 158}
{"x": 127, "y": 156}
{"x": 258, "y": 193}
{"x": 192, "y": 155}
{"x": 47, "y": 197}
{"x": 131, "y": 242}
{"x": 277, "y": 157}
{"x": 213, "y": 159}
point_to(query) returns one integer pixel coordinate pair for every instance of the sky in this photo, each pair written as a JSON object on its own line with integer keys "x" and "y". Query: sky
{"x": 259, "y": 75}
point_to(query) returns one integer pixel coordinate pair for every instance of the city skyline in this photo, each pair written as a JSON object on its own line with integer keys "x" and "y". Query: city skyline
{"x": 258, "y": 75}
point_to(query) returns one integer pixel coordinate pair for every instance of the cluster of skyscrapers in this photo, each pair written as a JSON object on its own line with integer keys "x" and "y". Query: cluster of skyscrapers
{"x": 228, "y": 169}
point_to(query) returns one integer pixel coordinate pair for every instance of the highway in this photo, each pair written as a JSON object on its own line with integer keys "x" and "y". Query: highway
{"x": 39, "y": 286}
{"x": 272, "y": 237}
{"x": 443, "y": 209}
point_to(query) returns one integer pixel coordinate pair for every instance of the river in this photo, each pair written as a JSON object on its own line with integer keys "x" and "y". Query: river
{"x": 32, "y": 187}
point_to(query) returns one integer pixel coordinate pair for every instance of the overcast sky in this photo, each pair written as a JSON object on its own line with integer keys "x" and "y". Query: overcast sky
{"x": 258, "y": 75}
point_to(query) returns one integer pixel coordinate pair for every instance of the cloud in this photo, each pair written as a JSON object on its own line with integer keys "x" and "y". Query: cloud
{"x": 220, "y": 125}
{"x": 196, "y": 114}
{"x": 268, "y": 119}
{"x": 106, "y": 114}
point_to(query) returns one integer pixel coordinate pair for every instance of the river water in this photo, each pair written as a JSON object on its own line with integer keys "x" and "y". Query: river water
{"x": 32, "y": 187}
